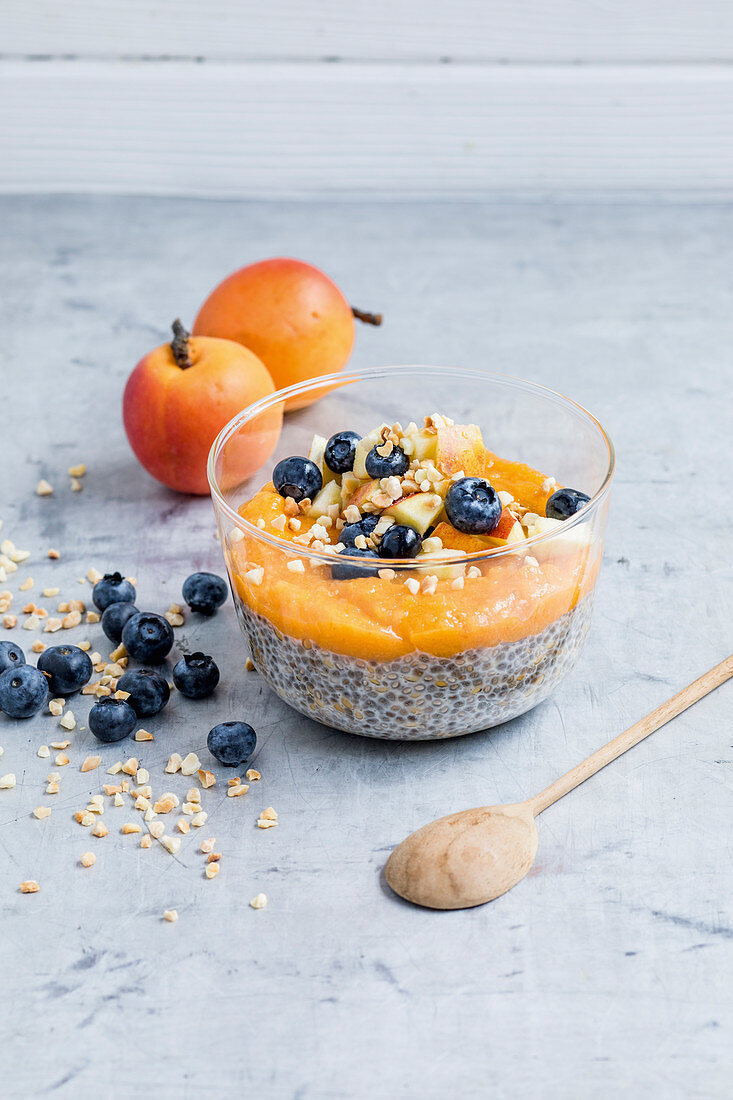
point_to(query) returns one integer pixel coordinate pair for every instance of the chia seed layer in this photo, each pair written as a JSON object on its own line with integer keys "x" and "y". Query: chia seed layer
{"x": 418, "y": 697}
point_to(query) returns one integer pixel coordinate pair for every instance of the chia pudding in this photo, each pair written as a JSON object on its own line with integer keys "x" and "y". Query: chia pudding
{"x": 418, "y": 697}
{"x": 410, "y": 584}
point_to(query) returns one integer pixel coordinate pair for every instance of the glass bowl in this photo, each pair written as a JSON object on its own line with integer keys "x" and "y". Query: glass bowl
{"x": 394, "y": 654}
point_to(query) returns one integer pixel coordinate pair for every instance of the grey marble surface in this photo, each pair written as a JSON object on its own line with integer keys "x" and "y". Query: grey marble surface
{"x": 607, "y": 972}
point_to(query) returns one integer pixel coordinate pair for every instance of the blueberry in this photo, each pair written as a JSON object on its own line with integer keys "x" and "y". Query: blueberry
{"x": 349, "y": 534}
{"x": 112, "y": 719}
{"x": 23, "y": 691}
{"x": 341, "y": 451}
{"x": 11, "y": 656}
{"x": 297, "y": 478}
{"x": 400, "y": 541}
{"x": 147, "y": 637}
{"x": 473, "y": 506}
{"x": 114, "y": 618}
{"x": 565, "y": 503}
{"x": 345, "y": 571}
{"x": 204, "y": 592}
{"x": 394, "y": 465}
{"x": 148, "y": 691}
{"x": 67, "y": 668}
{"x": 196, "y": 675}
{"x": 232, "y": 743}
{"x": 113, "y": 588}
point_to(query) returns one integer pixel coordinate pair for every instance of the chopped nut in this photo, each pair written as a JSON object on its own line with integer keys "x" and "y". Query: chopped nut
{"x": 190, "y": 764}
{"x": 296, "y": 566}
{"x": 61, "y": 760}
{"x": 52, "y": 625}
{"x": 279, "y": 523}
{"x": 42, "y": 811}
{"x": 68, "y": 722}
{"x": 174, "y": 620}
{"x": 146, "y": 842}
{"x": 52, "y": 788}
{"x": 30, "y": 886}
{"x": 234, "y": 782}
{"x": 90, "y": 763}
{"x": 213, "y": 857}
{"x": 473, "y": 572}
{"x": 115, "y": 769}
{"x": 38, "y": 647}
{"x": 182, "y": 826}
{"x": 130, "y": 766}
{"x": 387, "y": 574}
{"x": 199, "y": 819}
{"x": 171, "y": 844}
{"x": 171, "y": 915}
{"x": 43, "y": 752}
{"x": 253, "y": 775}
{"x": 142, "y": 735}
{"x": 412, "y": 585}
{"x": 259, "y": 902}
{"x": 265, "y": 823}
{"x": 250, "y": 665}
{"x": 156, "y": 829}
{"x": 131, "y": 827}
{"x": 235, "y": 792}
{"x": 78, "y": 470}
{"x": 193, "y": 794}
{"x": 142, "y": 776}
{"x": 88, "y": 859}
{"x": 83, "y": 817}
{"x": 43, "y": 489}
{"x": 207, "y": 845}
{"x": 27, "y": 583}
{"x": 211, "y": 870}
{"x": 54, "y": 554}
{"x": 165, "y": 804}
{"x": 94, "y": 575}
{"x": 9, "y": 621}
{"x": 92, "y": 617}
{"x": 100, "y": 829}
{"x": 119, "y": 800}
{"x": 206, "y": 779}
{"x": 32, "y": 623}
{"x": 255, "y": 576}
{"x": 71, "y": 620}
{"x": 457, "y": 583}
{"x": 174, "y": 763}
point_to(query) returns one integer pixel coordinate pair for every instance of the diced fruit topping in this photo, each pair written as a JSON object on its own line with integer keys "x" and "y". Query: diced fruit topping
{"x": 148, "y": 691}
{"x": 67, "y": 668}
{"x": 297, "y": 478}
{"x": 12, "y": 656}
{"x": 341, "y": 451}
{"x": 473, "y": 506}
{"x": 394, "y": 463}
{"x": 112, "y": 588}
{"x": 114, "y": 618}
{"x": 196, "y": 675}
{"x": 565, "y": 503}
{"x": 147, "y": 637}
{"x": 112, "y": 720}
{"x": 23, "y": 691}
{"x": 232, "y": 743}
{"x": 419, "y": 510}
{"x": 204, "y": 592}
{"x": 400, "y": 541}
{"x": 329, "y": 495}
{"x": 345, "y": 571}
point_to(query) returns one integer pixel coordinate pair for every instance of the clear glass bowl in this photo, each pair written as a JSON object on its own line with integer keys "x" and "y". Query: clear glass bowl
{"x": 370, "y": 656}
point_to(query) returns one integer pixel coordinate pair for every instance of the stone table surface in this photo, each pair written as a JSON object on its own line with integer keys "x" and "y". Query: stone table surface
{"x": 607, "y": 972}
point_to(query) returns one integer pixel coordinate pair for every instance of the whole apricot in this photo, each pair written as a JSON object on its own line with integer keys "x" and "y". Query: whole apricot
{"x": 180, "y": 396}
{"x": 289, "y": 314}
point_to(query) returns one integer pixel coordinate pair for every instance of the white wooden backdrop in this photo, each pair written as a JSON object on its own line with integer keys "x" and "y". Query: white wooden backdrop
{"x": 411, "y": 98}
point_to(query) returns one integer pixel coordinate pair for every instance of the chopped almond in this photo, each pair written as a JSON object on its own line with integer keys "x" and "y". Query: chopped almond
{"x": 91, "y": 763}
{"x": 30, "y": 886}
{"x": 88, "y": 859}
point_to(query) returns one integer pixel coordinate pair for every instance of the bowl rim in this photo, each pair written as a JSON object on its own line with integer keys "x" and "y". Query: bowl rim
{"x": 366, "y": 374}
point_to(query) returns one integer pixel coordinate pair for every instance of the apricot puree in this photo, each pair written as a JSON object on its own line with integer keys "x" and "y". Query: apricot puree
{"x": 380, "y": 619}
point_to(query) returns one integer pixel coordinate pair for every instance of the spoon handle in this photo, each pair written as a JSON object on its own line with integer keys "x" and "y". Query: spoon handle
{"x": 632, "y": 736}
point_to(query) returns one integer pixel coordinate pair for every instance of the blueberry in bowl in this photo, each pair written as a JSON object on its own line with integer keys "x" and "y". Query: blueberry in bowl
{"x": 148, "y": 691}
{"x": 23, "y": 691}
{"x": 340, "y": 452}
{"x": 297, "y": 478}
{"x": 205, "y": 592}
{"x": 393, "y": 464}
{"x": 564, "y": 503}
{"x": 196, "y": 675}
{"x": 473, "y": 506}
{"x": 66, "y": 667}
{"x": 147, "y": 637}
{"x": 112, "y": 588}
{"x": 400, "y": 541}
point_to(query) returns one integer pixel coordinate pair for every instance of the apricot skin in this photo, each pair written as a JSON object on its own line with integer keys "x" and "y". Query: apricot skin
{"x": 172, "y": 415}
{"x": 289, "y": 314}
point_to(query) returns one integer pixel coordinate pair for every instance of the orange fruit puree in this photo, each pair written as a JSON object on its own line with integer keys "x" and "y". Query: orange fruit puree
{"x": 381, "y": 619}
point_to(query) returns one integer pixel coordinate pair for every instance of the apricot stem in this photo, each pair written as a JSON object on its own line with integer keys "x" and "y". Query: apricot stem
{"x": 180, "y": 346}
{"x": 367, "y": 318}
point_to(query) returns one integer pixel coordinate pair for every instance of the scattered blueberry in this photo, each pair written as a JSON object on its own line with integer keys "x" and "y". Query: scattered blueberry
{"x": 112, "y": 719}
{"x": 204, "y": 592}
{"x": 394, "y": 465}
{"x": 400, "y": 541}
{"x": 67, "y": 668}
{"x": 565, "y": 503}
{"x": 147, "y": 637}
{"x": 232, "y": 743}
{"x": 113, "y": 588}
{"x": 11, "y": 656}
{"x": 196, "y": 675}
{"x": 345, "y": 571}
{"x": 341, "y": 451}
{"x": 23, "y": 691}
{"x": 114, "y": 618}
{"x": 148, "y": 691}
{"x": 349, "y": 534}
{"x": 473, "y": 506}
{"x": 297, "y": 478}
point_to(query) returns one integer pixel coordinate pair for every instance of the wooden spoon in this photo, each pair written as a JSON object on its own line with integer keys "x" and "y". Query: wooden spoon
{"x": 472, "y": 857}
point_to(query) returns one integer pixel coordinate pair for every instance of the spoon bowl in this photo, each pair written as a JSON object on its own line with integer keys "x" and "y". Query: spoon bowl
{"x": 466, "y": 858}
